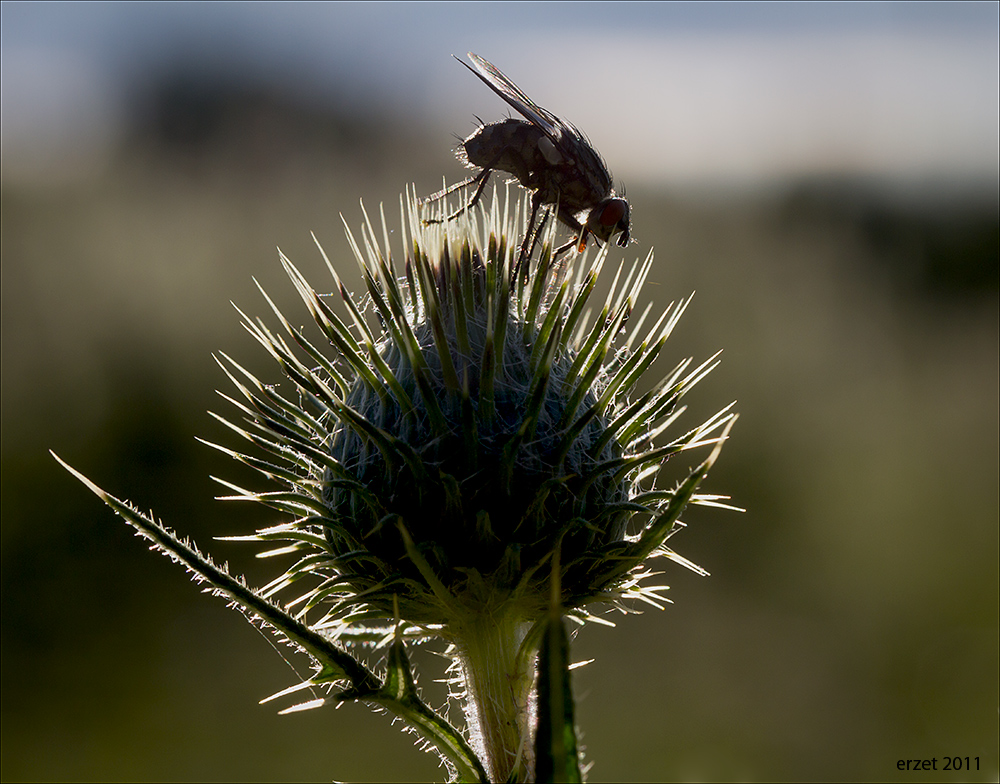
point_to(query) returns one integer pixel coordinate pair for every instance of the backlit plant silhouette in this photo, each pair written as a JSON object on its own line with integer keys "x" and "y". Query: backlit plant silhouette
{"x": 461, "y": 457}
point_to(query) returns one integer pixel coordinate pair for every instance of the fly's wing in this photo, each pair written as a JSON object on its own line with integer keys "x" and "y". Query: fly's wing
{"x": 571, "y": 141}
{"x": 553, "y": 127}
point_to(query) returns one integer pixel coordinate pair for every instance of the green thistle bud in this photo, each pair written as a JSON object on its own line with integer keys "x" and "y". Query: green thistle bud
{"x": 475, "y": 458}
{"x": 480, "y": 429}
{"x": 471, "y": 455}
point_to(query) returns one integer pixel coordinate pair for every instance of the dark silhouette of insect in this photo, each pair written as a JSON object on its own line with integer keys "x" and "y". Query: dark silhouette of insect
{"x": 548, "y": 156}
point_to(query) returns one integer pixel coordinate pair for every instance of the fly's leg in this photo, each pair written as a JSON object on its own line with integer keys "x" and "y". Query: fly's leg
{"x": 563, "y": 248}
{"x": 538, "y": 233}
{"x": 580, "y": 240}
{"x": 482, "y": 178}
{"x": 450, "y": 189}
{"x": 530, "y": 237}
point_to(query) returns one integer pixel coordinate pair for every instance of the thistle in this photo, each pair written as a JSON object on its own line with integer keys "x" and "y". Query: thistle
{"x": 467, "y": 460}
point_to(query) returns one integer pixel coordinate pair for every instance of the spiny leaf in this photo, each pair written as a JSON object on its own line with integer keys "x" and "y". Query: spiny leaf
{"x": 340, "y": 662}
{"x": 399, "y": 694}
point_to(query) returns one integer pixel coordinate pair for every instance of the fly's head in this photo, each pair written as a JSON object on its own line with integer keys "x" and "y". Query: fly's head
{"x": 610, "y": 216}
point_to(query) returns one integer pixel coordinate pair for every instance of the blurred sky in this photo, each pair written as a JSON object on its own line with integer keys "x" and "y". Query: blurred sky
{"x": 679, "y": 93}
{"x": 851, "y": 619}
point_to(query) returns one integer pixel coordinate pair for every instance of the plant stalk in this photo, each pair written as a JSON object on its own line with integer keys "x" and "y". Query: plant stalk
{"x": 498, "y": 706}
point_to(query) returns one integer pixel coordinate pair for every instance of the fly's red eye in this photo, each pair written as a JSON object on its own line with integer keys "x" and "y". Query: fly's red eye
{"x": 613, "y": 212}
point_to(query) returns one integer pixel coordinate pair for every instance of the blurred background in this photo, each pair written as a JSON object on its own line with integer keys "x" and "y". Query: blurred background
{"x": 824, "y": 175}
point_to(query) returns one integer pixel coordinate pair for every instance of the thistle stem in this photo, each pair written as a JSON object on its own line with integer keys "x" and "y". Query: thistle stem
{"x": 498, "y": 702}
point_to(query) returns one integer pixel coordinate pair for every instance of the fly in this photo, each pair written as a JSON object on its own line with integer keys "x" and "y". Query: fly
{"x": 549, "y": 157}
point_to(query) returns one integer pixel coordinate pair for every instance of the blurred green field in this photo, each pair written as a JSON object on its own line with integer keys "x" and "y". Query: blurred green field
{"x": 851, "y": 619}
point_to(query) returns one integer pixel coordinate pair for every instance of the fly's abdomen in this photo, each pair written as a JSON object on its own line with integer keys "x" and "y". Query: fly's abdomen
{"x": 509, "y": 145}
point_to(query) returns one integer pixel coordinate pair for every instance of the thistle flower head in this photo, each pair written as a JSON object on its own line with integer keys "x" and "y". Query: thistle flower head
{"x": 464, "y": 428}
